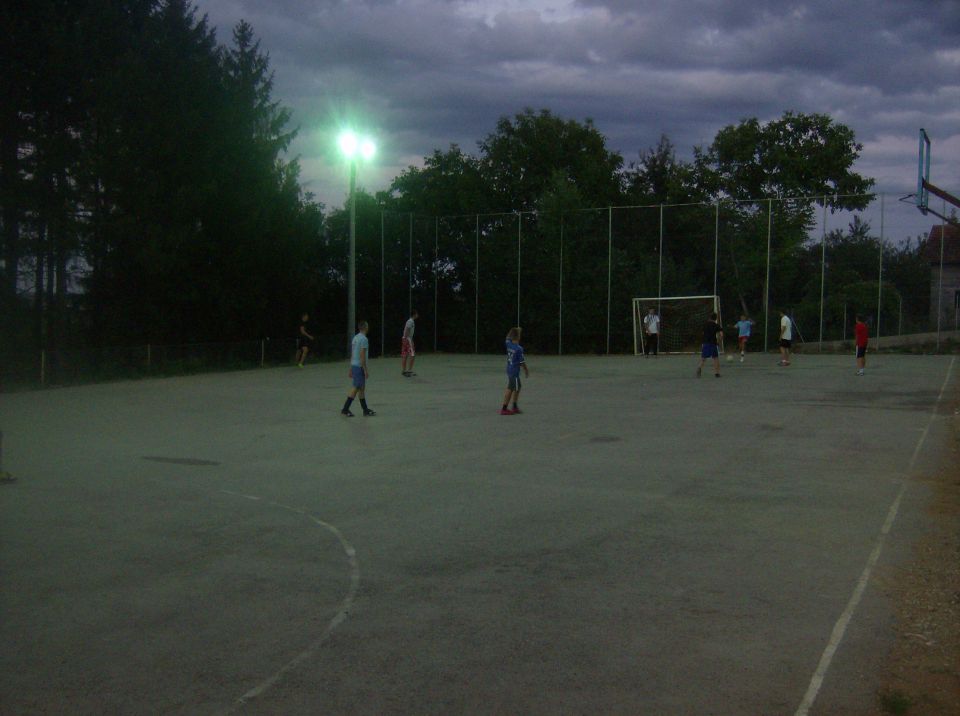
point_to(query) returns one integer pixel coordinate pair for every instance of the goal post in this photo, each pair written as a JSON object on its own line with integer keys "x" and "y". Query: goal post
{"x": 681, "y": 322}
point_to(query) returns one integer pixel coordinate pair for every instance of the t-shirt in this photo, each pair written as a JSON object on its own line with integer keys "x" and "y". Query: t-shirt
{"x": 863, "y": 335}
{"x": 743, "y": 328}
{"x": 360, "y": 342}
{"x": 652, "y": 323}
{"x": 710, "y": 330}
{"x": 304, "y": 329}
{"x": 408, "y": 329}
{"x": 786, "y": 328}
{"x": 514, "y": 358}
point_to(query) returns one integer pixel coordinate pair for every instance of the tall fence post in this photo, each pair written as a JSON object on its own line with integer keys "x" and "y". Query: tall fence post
{"x": 436, "y": 279}
{"x": 4, "y": 475}
{"x": 766, "y": 283}
{"x": 609, "y": 268}
{"x": 476, "y": 296}
{"x": 660, "y": 263}
{"x": 383, "y": 298}
{"x": 943, "y": 228}
{"x": 519, "y": 229}
{"x": 560, "y": 324}
{"x": 716, "y": 244}
{"x": 263, "y": 353}
{"x": 410, "y": 268}
{"x": 823, "y": 266}
{"x": 149, "y": 357}
{"x": 43, "y": 367}
{"x": 880, "y": 274}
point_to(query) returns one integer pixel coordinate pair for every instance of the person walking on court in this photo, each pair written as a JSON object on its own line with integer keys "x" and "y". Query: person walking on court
{"x": 651, "y": 330}
{"x": 710, "y": 347}
{"x": 862, "y": 335}
{"x": 515, "y": 360}
{"x": 744, "y": 327}
{"x": 305, "y": 340}
{"x": 407, "y": 350}
{"x": 786, "y": 338}
{"x": 360, "y": 350}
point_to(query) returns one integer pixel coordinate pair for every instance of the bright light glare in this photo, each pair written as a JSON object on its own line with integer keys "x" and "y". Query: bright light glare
{"x": 367, "y": 149}
{"x": 348, "y": 144}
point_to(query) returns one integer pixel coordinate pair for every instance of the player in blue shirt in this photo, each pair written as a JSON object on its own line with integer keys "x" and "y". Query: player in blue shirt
{"x": 744, "y": 328}
{"x": 360, "y": 350}
{"x": 515, "y": 361}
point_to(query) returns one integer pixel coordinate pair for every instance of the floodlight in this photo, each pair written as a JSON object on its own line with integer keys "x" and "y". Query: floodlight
{"x": 367, "y": 149}
{"x": 348, "y": 144}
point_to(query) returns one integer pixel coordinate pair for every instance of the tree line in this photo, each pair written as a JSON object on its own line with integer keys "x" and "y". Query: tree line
{"x": 147, "y": 197}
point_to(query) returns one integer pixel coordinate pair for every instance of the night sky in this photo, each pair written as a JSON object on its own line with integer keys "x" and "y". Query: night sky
{"x": 423, "y": 74}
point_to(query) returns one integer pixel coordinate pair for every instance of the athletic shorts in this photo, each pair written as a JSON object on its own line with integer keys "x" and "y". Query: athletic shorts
{"x": 785, "y": 342}
{"x": 709, "y": 350}
{"x": 513, "y": 382}
{"x": 359, "y": 379}
{"x": 406, "y": 348}
{"x": 303, "y": 342}
{"x": 742, "y": 340}
{"x": 861, "y": 351}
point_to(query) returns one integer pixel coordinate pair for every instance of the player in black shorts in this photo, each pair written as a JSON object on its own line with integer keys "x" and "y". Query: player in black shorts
{"x": 305, "y": 340}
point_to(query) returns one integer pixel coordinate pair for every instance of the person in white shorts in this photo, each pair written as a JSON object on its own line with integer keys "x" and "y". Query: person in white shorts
{"x": 407, "y": 350}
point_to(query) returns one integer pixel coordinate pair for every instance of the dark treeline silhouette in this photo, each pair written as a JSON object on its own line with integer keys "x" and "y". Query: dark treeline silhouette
{"x": 146, "y": 198}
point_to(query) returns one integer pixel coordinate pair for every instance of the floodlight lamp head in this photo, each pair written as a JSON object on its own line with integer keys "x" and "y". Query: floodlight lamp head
{"x": 367, "y": 149}
{"x": 348, "y": 144}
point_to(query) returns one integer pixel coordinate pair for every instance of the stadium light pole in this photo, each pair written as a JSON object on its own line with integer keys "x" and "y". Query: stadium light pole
{"x": 353, "y": 148}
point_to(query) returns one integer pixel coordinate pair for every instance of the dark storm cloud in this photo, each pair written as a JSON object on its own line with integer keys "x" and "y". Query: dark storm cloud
{"x": 424, "y": 74}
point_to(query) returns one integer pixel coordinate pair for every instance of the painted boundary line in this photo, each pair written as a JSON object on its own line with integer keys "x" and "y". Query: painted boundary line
{"x": 840, "y": 628}
{"x": 338, "y": 618}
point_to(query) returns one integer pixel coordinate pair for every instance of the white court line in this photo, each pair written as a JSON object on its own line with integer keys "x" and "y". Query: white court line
{"x": 840, "y": 627}
{"x": 338, "y": 618}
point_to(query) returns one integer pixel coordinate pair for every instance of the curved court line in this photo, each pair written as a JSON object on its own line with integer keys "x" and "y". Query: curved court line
{"x": 836, "y": 636}
{"x": 338, "y": 618}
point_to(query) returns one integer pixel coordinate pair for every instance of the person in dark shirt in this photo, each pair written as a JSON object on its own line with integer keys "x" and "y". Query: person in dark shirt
{"x": 304, "y": 340}
{"x": 711, "y": 334}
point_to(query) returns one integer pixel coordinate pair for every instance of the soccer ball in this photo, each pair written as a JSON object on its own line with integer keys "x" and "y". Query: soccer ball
{"x": 729, "y": 358}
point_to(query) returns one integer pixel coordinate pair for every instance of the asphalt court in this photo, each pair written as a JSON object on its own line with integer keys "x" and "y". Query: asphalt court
{"x": 637, "y": 541}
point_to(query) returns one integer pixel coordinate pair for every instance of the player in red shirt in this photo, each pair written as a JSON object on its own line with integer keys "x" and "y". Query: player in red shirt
{"x": 863, "y": 338}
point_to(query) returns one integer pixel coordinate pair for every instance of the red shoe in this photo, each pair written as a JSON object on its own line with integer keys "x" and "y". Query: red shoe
{"x": 516, "y": 411}
{"x": 505, "y": 412}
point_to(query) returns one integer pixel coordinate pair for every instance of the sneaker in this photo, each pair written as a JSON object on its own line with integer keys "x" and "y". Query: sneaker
{"x": 699, "y": 370}
{"x": 346, "y": 413}
{"x": 369, "y": 413}
{"x": 716, "y": 375}
{"x": 411, "y": 374}
{"x": 299, "y": 365}
{"x": 516, "y": 410}
{"x": 504, "y": 411}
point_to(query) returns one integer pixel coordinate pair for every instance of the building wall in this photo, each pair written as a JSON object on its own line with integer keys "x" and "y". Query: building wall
{"x": 949, "y": 315}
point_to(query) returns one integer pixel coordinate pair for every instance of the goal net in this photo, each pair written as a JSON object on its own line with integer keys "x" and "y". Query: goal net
{"x": 681, "y": 322}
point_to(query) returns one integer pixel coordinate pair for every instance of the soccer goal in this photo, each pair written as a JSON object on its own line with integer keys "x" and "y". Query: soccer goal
{"x": 681, "y": 322}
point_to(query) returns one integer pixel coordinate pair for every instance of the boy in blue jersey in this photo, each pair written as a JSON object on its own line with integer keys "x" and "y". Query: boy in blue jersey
{"x": 744, "y": 328}
{"x": 360, "y": 350}
{"x": 515, "y": 361}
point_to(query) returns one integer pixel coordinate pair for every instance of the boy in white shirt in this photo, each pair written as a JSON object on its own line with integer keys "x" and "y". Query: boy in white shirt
{"x": 651, "y": 330}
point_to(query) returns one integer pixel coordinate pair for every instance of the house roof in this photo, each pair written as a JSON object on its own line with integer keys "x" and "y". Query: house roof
{"x": 951, "y": 244}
